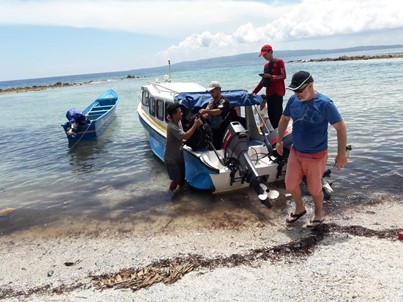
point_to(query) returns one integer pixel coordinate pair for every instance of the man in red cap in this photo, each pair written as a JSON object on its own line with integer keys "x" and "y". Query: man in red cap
{"x": 273, "y": 77}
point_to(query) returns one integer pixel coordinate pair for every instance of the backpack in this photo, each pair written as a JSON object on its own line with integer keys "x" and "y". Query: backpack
{"x": 266, "y": 81}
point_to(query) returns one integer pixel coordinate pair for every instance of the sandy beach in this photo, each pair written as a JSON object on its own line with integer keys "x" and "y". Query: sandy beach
{"x": 241, "y": 255}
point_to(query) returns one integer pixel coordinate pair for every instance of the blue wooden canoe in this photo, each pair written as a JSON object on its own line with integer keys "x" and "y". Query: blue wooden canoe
{"x": 100, "y": 113}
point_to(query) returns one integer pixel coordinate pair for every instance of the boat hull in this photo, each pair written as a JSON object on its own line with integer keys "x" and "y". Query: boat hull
{"x": 155, "y": 133}
{"x": 203, "y": 170}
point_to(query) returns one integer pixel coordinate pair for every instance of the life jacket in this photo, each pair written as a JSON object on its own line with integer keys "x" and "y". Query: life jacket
{"x": 217, "y": 120}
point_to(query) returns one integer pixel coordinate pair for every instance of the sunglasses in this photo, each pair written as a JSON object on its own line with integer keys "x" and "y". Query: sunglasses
{"x": 300, "y": 89}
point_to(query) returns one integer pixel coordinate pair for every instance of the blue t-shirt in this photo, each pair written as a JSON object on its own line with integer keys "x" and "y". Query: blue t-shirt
{"x": 310, "y": 122}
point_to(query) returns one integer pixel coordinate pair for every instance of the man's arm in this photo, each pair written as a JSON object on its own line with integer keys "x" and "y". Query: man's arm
{"x": 192, "y": 129}
{"x": 258, "y": 87}
{"x": 282, "y": 126}
{"x": 341, "y": 157}
{"x": 210, "y": 111}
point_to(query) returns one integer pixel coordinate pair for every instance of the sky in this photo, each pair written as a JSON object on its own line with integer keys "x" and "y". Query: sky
{"x": 45, "y": 38}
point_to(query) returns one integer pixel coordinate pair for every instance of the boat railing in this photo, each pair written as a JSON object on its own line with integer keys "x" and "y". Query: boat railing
{"x": 156, "y": 85}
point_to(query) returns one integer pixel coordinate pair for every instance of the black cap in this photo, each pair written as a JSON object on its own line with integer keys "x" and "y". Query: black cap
{"x": 300, "y": 78}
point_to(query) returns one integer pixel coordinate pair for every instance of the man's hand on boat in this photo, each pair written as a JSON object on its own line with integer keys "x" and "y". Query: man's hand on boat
{"x": 198, "y": 122}
{"x": 204, "y": 113}
{"x": 279, "y": 147}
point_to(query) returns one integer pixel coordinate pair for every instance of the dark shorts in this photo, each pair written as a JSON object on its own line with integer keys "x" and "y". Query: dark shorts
{"x": 176, "y": 171}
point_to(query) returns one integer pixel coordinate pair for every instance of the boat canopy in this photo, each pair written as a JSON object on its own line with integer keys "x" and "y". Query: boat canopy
{"x": 236, "y": 98}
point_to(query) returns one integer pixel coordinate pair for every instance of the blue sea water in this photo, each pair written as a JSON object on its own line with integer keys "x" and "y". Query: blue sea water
{"x": 116, "y": 175}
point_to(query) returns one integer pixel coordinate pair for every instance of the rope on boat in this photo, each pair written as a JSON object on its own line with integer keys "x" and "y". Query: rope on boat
{"x": 257, "y": 109}
{"x": 82, "y": 135}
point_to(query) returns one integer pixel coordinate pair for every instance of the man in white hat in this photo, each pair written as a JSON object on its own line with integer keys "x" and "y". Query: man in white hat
{"x": 217, "y": 111}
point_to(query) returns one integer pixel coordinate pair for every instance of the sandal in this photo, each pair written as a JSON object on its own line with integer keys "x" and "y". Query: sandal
{"x": 314, "y": 223}
{"x": 294, "y": 217}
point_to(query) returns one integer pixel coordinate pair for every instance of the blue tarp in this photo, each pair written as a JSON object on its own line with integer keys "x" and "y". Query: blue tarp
{"x": 76, "y": 116}
{"x": 200, "y": 99}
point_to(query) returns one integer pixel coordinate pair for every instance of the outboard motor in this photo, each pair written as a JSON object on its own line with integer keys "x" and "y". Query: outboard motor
{"x": 75, "y": 119}
{"x": 270, "y": 140}
{"x": 236, "y": 158}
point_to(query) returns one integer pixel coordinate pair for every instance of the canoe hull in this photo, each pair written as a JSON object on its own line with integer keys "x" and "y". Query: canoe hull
{"x": 100, "y": 112}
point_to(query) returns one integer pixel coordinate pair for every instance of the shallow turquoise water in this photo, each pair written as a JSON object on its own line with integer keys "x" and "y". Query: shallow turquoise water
{"x": 45, "y": 179}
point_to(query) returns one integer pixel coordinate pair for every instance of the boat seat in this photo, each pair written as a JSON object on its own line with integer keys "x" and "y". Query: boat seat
{"x": 94, "y": 116}
{"x": 97, "y": 112}
{"x": 96, "y": 109}
{"x": 104, "y": 107}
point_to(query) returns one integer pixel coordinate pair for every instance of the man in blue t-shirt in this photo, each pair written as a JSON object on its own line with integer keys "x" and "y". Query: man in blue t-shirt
{"x": 311, "y": 113}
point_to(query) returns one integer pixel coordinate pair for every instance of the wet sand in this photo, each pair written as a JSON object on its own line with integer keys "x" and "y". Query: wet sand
{"x": 246, "y": 253}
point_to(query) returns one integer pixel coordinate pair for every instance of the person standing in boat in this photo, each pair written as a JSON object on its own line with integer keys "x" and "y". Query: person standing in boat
{"x": 272, "y": 78}
{"x": 217, "y": 112}
{"x": 311, "y": 113}
{"x": 173, "y": 155}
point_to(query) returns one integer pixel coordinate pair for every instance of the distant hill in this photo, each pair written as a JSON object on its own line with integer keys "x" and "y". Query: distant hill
{"x": 253, "y": 58}
{"x": 220, "y": 62}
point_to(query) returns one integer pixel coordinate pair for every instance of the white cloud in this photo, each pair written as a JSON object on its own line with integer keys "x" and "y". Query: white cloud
{"x": 242, "y": 21}
{"x": 307, "y": 21}
{"x": 167, "y": 18}
{"x": 202, "y": 29}
{"x": 210, "y": 26}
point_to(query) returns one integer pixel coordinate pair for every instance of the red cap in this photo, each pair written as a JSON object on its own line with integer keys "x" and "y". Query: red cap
{"x": 265, "y": 49}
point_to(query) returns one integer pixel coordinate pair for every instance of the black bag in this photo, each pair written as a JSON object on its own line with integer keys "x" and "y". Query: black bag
{"x": 269, "y": 69}
{"x": 202, "y": 136}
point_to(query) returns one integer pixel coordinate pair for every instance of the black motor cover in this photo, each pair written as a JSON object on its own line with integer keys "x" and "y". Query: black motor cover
{"x": 236, "y": 145}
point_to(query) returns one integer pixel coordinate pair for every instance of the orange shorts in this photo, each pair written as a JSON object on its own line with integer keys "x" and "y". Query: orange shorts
{"x": 311, "y": 165}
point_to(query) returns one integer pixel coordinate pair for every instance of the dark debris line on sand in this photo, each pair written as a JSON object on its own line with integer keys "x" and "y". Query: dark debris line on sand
{"x": 169, "y": 271}
{"x": 46, "y": 289}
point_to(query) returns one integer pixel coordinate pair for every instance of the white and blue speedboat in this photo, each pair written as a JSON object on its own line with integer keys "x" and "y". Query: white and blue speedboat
{"x": 247, "y": 157}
